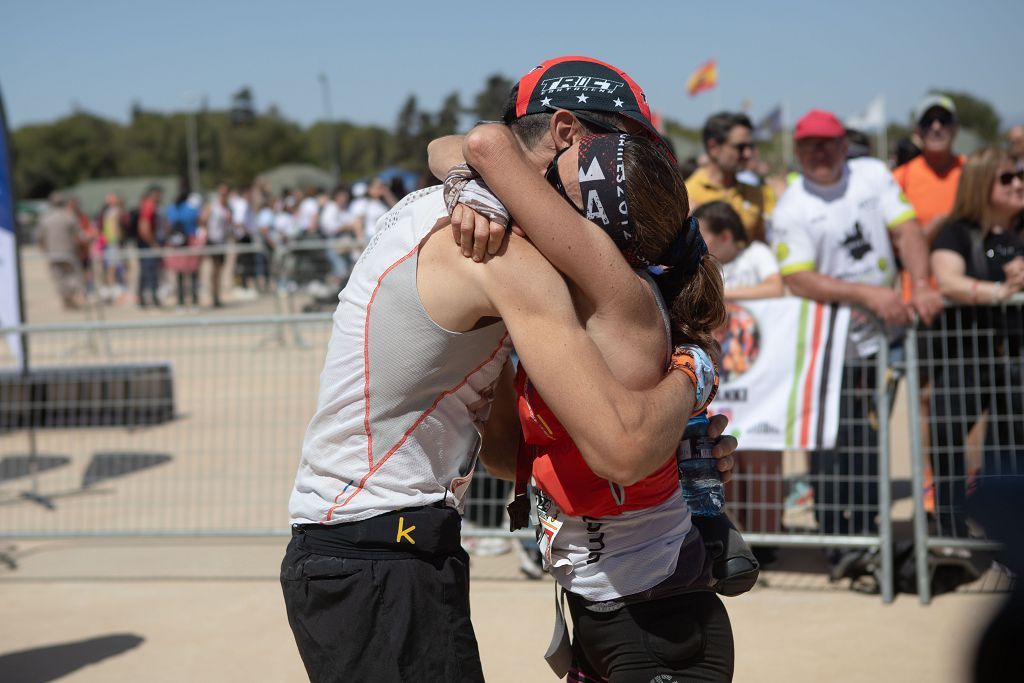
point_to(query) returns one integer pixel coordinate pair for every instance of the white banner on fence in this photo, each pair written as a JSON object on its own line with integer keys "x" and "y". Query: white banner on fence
{"x": 782, "y": 363}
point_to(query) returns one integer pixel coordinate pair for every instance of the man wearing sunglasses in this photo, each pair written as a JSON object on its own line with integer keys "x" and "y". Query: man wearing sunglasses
{"x": 375, "y": 582}
{"x": 729, "y": 142}
{"x": 930, "y": 180}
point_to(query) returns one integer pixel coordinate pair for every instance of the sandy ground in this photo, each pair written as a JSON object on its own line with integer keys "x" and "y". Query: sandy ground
{"x": 169, "y": 610}
{"x": 210, "y": 609}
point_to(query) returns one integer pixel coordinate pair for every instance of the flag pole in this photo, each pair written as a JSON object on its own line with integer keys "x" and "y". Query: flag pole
{"x": 787, "y": 139}
{"x": 883, "y": 142}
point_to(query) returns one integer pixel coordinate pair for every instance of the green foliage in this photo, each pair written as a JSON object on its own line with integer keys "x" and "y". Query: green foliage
{"x": 489, "y": 103}
{"x": 235, "y": 144}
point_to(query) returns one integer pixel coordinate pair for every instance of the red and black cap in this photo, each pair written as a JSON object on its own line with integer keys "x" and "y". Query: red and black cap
{"x": 580, "y": 84}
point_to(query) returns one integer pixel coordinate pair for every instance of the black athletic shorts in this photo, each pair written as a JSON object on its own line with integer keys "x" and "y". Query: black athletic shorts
{"x": 366, "y": 604}
{"x": 676, "y": 639}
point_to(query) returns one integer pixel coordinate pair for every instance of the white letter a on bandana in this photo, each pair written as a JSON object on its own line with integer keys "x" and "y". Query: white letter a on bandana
{"x": 593, "y": 173}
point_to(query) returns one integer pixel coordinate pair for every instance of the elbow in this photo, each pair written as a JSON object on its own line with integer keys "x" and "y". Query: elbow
{"x": 620, "y": 460}
{"x": 482, "y": 146}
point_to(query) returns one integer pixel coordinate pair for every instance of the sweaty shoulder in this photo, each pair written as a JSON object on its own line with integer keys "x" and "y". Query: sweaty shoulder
{"x": 456, "y": 291}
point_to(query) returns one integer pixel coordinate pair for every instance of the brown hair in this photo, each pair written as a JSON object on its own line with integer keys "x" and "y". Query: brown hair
{"x": 718, "y": 217}
{"x": 975, "y": 188}
{"x": 660, "y": 206}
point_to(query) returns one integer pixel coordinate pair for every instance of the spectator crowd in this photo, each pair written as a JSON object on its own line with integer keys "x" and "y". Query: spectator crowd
{"x": 891, "y": 240}
{"x": 297, "y": 237}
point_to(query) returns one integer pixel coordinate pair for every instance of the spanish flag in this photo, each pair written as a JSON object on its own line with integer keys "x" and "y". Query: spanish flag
{"x": 704, "y": 78}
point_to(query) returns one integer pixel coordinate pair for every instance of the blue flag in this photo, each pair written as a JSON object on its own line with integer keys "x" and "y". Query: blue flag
{"x": 10, "y": 296}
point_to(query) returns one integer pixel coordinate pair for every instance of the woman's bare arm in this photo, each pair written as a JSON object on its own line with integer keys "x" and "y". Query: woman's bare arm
{"x": 569, "y": 241}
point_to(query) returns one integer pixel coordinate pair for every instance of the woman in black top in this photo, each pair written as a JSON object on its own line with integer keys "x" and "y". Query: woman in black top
{"x": 978, "y": 259}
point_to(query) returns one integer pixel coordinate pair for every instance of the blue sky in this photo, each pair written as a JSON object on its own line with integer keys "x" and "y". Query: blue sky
{"x": 103, "y": 55}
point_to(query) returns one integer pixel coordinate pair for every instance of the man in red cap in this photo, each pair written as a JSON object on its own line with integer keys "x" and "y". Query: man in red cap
{"x": 374, "y": 579}
{"x": 833, "y": 233}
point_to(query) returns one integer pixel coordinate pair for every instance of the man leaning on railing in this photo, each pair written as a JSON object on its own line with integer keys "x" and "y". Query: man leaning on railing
{"x": 834, "y": 232}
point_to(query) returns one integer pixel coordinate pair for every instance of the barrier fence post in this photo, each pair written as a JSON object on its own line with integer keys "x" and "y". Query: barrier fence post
{"x": 917, "y": 468}
{"x": 884, "y": 484}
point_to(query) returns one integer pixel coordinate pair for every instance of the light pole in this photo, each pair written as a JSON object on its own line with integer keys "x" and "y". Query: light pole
{"x": 332, "y": 137}
{"x": 191, "y": 143}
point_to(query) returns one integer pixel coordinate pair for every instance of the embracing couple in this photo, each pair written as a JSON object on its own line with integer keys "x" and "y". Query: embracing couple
{"x": 583, "y": 258}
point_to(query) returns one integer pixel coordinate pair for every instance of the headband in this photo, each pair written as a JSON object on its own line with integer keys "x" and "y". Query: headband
{"x": 603, "y": 186}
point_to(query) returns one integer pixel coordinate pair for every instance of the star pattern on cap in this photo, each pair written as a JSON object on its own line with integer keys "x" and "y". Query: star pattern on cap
{"x": 582, "y": 99}
{"x": 545, "y": 102}
{"x": 618, "y": 102}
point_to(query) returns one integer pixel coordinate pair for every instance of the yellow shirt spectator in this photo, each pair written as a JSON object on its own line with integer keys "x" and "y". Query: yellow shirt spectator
{"x": 752, "y": 203}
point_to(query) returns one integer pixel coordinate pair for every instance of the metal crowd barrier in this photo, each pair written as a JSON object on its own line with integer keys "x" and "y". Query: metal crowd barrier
{"x": 195, "y": 427}
{"x": 187, "y": 426}
{"x": 969, "y": 366}
{"x": 838, "y": 499}
{"x": 174, "y": 427}
{"x": 287, "y": 265}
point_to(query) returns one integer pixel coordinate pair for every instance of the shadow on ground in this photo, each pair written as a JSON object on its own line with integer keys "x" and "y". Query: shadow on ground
{"x": 49, "y": 663}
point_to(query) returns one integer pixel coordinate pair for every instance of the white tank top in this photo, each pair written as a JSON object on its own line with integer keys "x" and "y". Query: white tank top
{"x": 401, "y": 399}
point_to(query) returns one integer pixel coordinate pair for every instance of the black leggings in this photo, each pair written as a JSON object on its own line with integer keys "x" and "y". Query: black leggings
{"x": 684, "y": 637}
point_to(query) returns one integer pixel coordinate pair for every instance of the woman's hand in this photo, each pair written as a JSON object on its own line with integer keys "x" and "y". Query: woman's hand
{"x": 475, "y": 234}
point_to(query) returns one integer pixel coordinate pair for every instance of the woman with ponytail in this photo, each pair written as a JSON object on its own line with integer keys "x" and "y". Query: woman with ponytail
{"x": 620, "y": 542}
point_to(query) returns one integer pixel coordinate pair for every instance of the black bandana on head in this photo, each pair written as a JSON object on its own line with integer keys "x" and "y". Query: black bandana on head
{"x": 687, "y": 250}
{"x": 603, "y": 186}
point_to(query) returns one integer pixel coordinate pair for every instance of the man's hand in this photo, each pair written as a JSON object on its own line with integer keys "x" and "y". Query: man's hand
{"x": 926, "y": 302}
{"x": 887, "y": 305}
{"x": 725, "y": 446}
{"x": 475, "y": 234}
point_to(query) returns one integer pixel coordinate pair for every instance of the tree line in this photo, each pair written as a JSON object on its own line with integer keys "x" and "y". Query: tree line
{"x": 236, "y": 144}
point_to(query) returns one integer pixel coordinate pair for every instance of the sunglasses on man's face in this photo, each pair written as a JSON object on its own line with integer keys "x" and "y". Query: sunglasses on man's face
{"x": 1007, "y": 178}
{"x": 595, "y": 125}
{"x": 742, "y": 147}
{"x": 944, "y": 118}
{"x": 554, "y": 178}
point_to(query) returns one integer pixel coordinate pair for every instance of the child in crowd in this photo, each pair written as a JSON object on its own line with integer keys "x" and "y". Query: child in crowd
{"x": 749, "y": 271}
{"x": 748, "y": 267}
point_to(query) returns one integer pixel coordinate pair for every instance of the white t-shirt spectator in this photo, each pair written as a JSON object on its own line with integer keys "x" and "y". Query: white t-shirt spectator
{"x": 752, "y": 266}
{"x": 241, "y": 216}
{"x": 332, "y": 218}
{"x": 308, "y": 214}
{"x": 371, "y": 210}
{"x": 285, "y": 226}
{"x": 842, "y": 231}
{"x": 265, "y": 221}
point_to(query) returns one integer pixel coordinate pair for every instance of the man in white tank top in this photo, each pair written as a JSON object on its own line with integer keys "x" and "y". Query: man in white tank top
{"x": 375, "y": 580}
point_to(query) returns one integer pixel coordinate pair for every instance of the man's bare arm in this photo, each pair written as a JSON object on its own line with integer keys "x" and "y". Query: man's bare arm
{"x": 883, "y": 302}
{"x": 912, "y": 247}
{"x": 443, "y": 154}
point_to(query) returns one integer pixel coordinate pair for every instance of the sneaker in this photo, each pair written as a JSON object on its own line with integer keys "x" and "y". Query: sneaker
{"x": 529, "y": 561}
{"x": 801, "y": 497}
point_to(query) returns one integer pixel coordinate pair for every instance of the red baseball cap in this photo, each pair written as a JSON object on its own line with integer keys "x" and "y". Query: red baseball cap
{"x": 818, "y": 123}
{"x": 580, "y": 84}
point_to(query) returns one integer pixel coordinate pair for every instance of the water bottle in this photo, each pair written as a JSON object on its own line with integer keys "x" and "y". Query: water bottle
{"x": 698, "y": 470}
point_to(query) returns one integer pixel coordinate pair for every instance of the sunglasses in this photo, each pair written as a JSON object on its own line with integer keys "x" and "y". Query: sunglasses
{"x": 743, "y": 147}
{"x": 595, "y": 125}
{"x": 1007, "y": 178}
{"x": 554, "y": 178}
{"x": 944, "y": 119}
